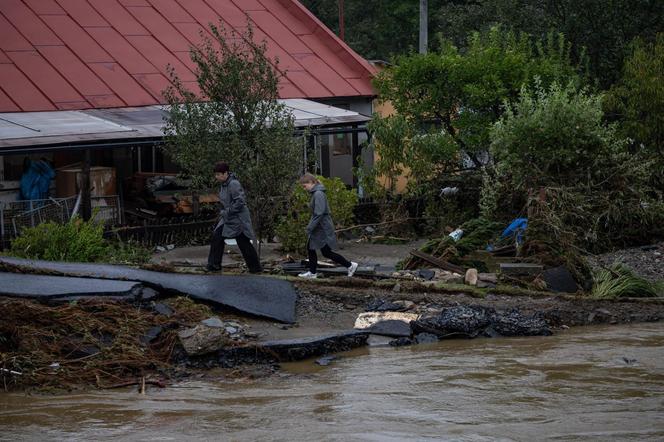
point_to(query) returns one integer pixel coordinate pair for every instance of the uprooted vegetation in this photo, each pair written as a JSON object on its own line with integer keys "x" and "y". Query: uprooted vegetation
{"x": 88, "y": 342}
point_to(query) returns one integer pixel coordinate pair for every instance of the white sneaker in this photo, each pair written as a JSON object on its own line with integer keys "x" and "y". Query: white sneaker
{"x": 308, "y": 275}
{"x": 352, "y": 268}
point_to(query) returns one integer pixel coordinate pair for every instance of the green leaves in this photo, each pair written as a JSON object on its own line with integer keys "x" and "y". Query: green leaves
{"x": 291, "y": 229}
{"x": 235, "y": 116}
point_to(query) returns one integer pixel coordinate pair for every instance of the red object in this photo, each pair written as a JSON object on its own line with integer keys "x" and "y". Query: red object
{"x": 80, "y": 54}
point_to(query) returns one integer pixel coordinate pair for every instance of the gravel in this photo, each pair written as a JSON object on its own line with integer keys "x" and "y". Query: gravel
{"x": 646, "y": 261}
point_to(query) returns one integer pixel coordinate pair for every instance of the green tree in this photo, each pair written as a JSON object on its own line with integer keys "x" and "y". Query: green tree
{"x": 235, "y": 116}
{"x": 637, "y": 101}
{"x": 446, "y": 101}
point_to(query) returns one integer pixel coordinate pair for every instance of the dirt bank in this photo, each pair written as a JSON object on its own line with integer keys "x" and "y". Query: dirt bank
{"x": 57, "y": 351}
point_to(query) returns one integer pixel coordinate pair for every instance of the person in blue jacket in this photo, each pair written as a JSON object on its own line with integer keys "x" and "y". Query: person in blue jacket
{"x": 234, "y": 222}
{"x": 320, "y": 230}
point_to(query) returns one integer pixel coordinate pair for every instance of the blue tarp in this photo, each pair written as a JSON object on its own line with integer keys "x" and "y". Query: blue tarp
{"x": 36, "y": 181}
{"x": 516, "y": 228}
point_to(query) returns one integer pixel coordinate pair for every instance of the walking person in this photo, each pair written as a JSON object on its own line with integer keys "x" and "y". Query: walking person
{"x": 234, "y": 222}
{"x": 320, "y": 230}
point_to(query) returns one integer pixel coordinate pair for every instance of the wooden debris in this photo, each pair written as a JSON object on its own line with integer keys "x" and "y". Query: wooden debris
{"x": 440, "y": 263}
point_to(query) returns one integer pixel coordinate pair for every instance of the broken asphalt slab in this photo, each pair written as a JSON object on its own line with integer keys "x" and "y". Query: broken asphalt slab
{"x": 65, "y": 288}
{"x": 256, "y": 295}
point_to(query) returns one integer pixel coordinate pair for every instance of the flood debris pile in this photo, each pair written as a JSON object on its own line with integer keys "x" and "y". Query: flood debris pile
{"x": 409, "y": 326}
{"x": 92, "y": 342}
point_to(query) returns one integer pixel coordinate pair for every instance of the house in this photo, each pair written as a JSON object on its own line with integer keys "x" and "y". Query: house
{"x": 79, "y": 75}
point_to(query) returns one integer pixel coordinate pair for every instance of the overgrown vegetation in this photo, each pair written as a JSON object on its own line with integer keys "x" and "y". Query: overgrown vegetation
{"x": 553, "y": 146}
{"x": 232, "y": 114}
{"x": 291, "y": 229}
{"x": 75, "y": 241}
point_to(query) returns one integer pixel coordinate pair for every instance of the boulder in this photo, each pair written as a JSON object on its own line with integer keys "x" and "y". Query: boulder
{"x": 471, "y": 277}
{"x": 204, "y": 338}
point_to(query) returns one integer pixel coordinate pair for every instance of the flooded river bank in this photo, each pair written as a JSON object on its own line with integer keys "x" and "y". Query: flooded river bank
{"x": 591, "y": 383}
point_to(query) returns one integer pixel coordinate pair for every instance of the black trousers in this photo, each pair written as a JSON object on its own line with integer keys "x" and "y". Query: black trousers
{"x": 329, "y": 254}
{"x": 243, "y": 242}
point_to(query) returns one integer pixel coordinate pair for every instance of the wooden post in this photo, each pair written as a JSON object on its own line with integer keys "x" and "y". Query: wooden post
{"x": 86, "y": 202}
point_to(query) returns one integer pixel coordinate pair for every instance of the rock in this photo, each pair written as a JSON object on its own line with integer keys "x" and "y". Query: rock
{"x": 426, "y": 338}
{"x": 368, "y": 319}
{"x": 213, "y": 322}
{"x": 559, "y": 279}
{"x": 471, "y": 277}
{"x": 326, "y": 360}
{"x": 203, "y": 339}
{"x": 488, "y": 277}
{"x": 151, "y": 334}
{"x": 396, "y": 288}
{"x": 170, "y": 247}
{"x": 405, "y": 304}
{"x": 401, "y": 342}
{"x": 391, "y": 327}
{"x": 160, "y": 249}
{"x": 426, "y": 274}
{"x": 231, "y": 330}
{"x": 163, "y": 309}
{"x": 485, "y": 285}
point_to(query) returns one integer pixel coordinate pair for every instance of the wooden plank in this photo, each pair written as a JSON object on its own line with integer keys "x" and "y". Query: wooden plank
{"x": 440, "y": 263}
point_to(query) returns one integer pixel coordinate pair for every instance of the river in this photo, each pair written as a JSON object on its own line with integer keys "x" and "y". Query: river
{"x": 593, "y": 383}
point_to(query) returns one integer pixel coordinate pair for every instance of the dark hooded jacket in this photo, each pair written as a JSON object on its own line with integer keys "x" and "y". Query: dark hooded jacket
{"x": 320, "y": 229}
{"x": 235, "y": 216}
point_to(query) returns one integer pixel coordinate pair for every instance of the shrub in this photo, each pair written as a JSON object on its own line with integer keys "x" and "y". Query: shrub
{"x": 555, "y": 153}
{"x": 74, "y": 241}
{"x": 620, "y": 281}
{"x": 291, "y": 230}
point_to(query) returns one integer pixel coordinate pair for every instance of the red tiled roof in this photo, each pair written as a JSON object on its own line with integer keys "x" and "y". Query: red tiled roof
{"x": 80, "y": 54}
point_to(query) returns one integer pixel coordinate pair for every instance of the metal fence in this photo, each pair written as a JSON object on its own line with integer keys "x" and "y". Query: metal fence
{"x": 18, "y": 215}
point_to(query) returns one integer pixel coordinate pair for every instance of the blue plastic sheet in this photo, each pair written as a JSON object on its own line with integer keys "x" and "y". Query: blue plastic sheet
{"x": 516, "y": 229}
{"x": 36, "y": 181}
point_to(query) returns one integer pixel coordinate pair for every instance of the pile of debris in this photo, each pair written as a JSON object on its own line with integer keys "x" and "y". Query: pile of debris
{"x": 97, "y": 342}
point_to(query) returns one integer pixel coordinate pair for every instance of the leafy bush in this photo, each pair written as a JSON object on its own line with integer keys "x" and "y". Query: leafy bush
{"x": 74, "y": 241}
{"x": 291, "y": 230}
{"x": 573, "y": 173}
{"x": 620, "y": 281}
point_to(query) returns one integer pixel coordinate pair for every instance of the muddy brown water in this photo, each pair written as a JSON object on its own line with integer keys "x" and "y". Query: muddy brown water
{"x": 592, "y": 383}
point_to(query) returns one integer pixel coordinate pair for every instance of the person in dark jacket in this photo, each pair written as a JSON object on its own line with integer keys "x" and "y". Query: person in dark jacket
{"x": 234, "y": 222}
{"x": 320, "y": 230}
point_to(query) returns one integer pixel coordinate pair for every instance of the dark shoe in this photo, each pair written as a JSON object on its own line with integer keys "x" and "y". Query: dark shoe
{"x": 210, "y": 268}
{"x": 254, "y": 271}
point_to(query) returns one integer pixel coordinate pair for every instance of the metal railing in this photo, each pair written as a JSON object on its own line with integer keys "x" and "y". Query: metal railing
{"x": 18, "y": 215}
